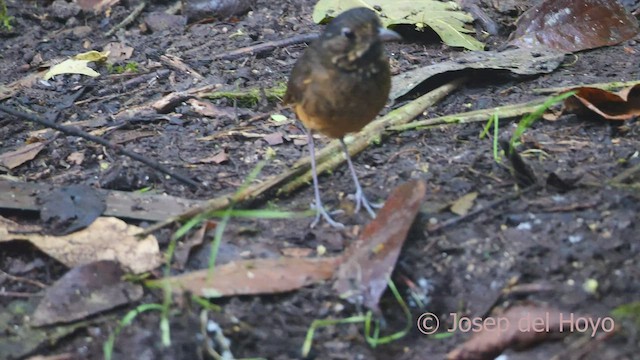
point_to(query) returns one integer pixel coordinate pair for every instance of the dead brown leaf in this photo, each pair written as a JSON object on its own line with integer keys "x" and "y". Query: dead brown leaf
{"x": 218, "y": 158}
{"x": 247, "y": 277}
{"x": 83, "y": 291}
{"x": 620, "y": 106}
{"x": 274, "y": 138}
{"x": 369, "y": 261}
{"x": 207, "y": 109}
{"x": 107, "y": 238}
{"x": 518, "y": 327}
{"x": 118, "y": 52}
{"x": 27, "y": 152}
{"x": 184, "y": 247}
{"x": 574, "y": 25}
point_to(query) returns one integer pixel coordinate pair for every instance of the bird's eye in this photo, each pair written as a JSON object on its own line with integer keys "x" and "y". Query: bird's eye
{"x": 348, "y": 33}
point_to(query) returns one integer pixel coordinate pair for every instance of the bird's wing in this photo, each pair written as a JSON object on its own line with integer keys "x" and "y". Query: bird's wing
{"x": 300, "y": 78}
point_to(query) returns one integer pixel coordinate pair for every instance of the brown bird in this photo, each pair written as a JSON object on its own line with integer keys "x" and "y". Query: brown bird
{"x": 339, "y": 85}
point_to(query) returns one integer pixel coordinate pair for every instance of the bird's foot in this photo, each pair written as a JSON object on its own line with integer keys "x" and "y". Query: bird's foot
{"x": 321, "y": 212}
{"x": 361, "y": 202}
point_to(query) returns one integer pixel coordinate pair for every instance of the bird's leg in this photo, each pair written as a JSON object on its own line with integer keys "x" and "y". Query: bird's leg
{"x": 360, "y": 198}
{"x": 320, "y": 210}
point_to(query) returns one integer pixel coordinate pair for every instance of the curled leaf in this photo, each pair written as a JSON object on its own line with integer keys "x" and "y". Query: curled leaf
{"x": 574, "y": 25}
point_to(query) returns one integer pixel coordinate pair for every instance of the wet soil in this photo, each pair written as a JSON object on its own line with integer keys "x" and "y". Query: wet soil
{"x": 556, "y": 238}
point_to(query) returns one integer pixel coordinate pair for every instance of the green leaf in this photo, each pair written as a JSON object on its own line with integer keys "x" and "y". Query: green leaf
{"x": 77, "y": 65}
{"x": 445, "y": 18}
{"x": 278, "y": 118}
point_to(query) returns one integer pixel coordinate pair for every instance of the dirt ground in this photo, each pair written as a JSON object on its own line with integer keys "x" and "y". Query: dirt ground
{"x": 555, "y": 239}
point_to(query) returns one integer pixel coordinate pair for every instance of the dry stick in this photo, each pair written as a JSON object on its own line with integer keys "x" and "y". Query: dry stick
{"x": 491, "y": 205}
{"x": 508, "y": 111}
{"x": 620, "y": 178}
{"x": 264, "y": 47}
{"x": 129, "y": 19}
{"x": 360, "y": 142}
{"x": 131, "y": 83}
{"x": 605, "y": 86}
{"x": 83, "y": 134}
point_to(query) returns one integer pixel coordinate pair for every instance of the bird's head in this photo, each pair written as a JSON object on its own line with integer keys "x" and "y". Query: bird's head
{"x": 355, "y": 37}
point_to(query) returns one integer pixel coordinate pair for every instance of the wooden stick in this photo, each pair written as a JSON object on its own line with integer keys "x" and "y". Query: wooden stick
{"x": 508, "y": 111}
{"x": 605, "y": 86}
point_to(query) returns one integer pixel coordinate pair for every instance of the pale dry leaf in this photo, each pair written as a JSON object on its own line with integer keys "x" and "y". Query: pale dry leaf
{"x": 96, "y": 5}
{"x": 13, "y": 159}
{"x": 107, "y": 238}
{"x": 118, "y": 52}
{"x": 464, "y": 204}
{"x": 76, "y": 158}
{"x": 207, "y": 109}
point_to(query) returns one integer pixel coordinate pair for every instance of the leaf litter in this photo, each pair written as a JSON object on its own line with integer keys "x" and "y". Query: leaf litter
{"x": 371, "y": 259}
{"x": 435, "y": 166}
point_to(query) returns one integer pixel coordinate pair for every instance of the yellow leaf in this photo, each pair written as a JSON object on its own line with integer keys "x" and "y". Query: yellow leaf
{"x": 464, "y": 204}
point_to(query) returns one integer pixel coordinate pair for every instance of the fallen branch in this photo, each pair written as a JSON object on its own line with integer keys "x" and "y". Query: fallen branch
{"x": 122, "y": 204}
{"x": 606, "y": 86}
{"x": 300, "y": 172}
{"x": 509, "y": 111}
{"x": 623, "y": 176}
{"x": 72, "y": 131}
{"x": 264, "y": 47}
{"x": 491, "y": 205}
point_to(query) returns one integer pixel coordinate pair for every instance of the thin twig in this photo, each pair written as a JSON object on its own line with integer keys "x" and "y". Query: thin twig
{"x": 18, "y": 294}
{"x": 23, "y": 279}
{"x": 264, "y": 47}
{"x": 620, "y": 178}
{"x": 445, "y": 224}
{"x": 508, "y": 111}
{"x": 131, "y": 83}
{"x": 606, "y": 86}
{"x": 129, "y": 19}
{"x": 117, "y": 148}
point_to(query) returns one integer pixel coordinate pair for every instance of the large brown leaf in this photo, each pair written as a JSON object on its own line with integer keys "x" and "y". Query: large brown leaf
{"x": 369, "y": 261}
{"x": 574, "y": 25}
{"x": 518, "y": 327}
{"x": 259, "y": 276}
{"x": 83, "y": 291}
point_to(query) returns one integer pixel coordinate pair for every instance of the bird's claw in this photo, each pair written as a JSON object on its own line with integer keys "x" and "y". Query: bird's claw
{"x": 321, "y": 212}
{"x": 361, "y": 202}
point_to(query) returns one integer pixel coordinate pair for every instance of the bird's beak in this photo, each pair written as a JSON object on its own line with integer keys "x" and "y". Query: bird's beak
{"x": 387, "y": 35}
